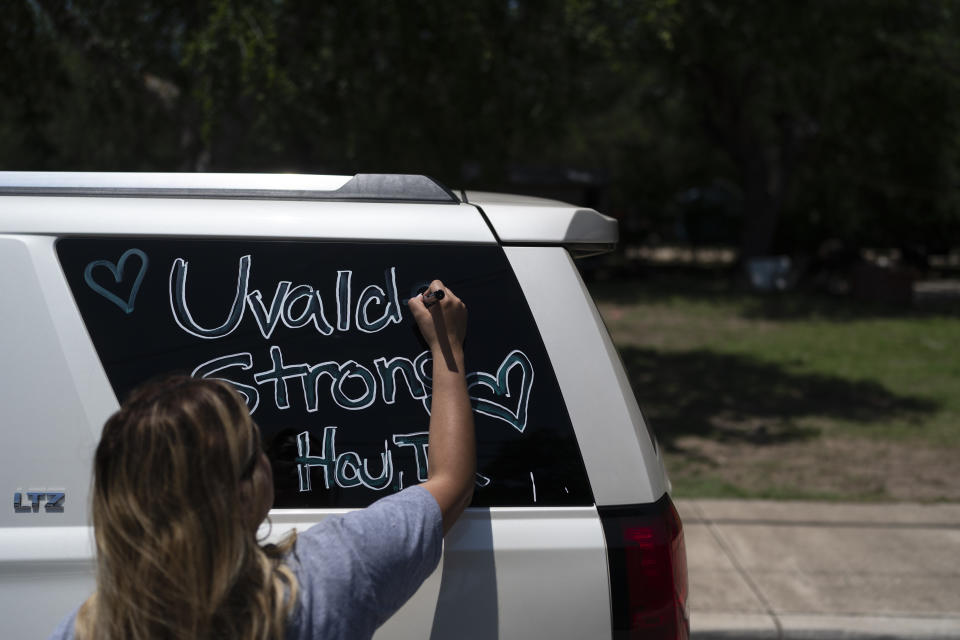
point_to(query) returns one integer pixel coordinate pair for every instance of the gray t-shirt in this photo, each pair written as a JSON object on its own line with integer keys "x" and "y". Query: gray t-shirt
{"x": 357, "y": 569}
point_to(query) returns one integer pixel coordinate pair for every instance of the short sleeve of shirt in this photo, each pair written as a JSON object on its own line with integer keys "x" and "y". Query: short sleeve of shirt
{"x": 64, "y": 630}
{"x": 354, "y": 571}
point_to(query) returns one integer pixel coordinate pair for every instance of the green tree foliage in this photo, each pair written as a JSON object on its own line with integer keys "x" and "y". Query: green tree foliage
{"x": 835, "y": 119}
{"x": 818, "y": 119}
{"x": 270, "y": 85}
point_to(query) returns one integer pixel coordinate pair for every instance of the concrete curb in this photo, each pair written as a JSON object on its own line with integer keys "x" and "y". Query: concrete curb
{"x": 726, "y": 626}
{"x": 731, "y": 626}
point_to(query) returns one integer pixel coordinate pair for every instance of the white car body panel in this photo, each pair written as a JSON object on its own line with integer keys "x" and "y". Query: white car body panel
{"x": 49, "y": 437}
{"x": 622, "y": 463}
{"x": 493, "y": 560}
{"x": 45, "y": 558}
{"x": 210, "y": 217}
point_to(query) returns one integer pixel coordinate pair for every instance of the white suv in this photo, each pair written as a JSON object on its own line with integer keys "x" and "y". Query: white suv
{"x": 292, "y": 288}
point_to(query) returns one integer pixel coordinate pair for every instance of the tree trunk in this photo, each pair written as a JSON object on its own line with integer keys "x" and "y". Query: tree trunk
{"x": 766, "y": 170}
{"x": 760, "y": 209}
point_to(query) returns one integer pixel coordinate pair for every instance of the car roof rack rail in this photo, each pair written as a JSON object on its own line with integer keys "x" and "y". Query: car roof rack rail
{"x": 363, "y": 187}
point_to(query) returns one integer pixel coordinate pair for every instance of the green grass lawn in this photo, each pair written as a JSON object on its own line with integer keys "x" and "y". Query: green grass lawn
{"x": 791, "y": 396}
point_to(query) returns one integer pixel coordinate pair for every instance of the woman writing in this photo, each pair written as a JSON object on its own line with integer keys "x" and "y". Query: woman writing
{"x": 181, "y": 486}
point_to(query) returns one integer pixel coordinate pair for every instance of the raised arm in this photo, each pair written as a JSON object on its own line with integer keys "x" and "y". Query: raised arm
{"x": 452, "y": 450}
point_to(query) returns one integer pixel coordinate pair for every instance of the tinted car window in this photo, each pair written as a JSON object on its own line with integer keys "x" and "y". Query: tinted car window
{"x": 317, "y": 338}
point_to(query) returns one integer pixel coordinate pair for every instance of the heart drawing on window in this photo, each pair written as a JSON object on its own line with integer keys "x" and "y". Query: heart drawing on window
{"x": 117, "y": 270}
{"x": 499, "y": 384}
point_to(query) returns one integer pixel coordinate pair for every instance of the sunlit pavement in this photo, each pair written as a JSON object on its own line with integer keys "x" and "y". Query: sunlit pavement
{"x": 766, "y": 569}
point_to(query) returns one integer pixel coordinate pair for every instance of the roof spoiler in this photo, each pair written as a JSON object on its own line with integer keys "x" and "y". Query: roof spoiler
{"x": 524, "y": 220}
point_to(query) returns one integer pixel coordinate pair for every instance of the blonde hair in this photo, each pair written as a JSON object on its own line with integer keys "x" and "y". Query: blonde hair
{"x": 176, "y": 556}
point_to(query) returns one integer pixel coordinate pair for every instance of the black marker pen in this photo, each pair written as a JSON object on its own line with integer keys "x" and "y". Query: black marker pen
{"x": 436, "y": 295}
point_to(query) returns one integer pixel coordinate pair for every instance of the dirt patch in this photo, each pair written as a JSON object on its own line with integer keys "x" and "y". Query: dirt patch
{"x": 840, "y": 468}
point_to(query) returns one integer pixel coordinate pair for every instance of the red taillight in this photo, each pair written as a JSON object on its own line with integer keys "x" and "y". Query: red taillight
{"x": 648, "y": 571}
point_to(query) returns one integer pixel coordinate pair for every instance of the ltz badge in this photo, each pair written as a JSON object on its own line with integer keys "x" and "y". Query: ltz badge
{"x": 53, "y": 501}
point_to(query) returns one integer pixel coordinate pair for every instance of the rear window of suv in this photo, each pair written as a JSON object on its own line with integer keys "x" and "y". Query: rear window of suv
{"x": 317, "y": 338}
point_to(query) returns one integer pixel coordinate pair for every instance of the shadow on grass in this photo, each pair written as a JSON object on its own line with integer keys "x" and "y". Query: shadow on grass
{"x": 802, "y": 305}
{"x": 735, "y": 398}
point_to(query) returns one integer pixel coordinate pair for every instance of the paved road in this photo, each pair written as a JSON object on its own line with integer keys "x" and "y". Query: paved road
{"x": 766, "y": 569}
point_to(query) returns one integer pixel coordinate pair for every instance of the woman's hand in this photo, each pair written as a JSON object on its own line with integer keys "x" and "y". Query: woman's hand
{"x": 443, "y": 324}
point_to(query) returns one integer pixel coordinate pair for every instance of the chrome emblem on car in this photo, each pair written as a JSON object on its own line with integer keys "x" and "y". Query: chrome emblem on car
{"x": 53, "y": 501}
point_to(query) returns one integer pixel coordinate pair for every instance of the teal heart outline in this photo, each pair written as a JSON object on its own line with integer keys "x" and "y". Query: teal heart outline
{"x": 117, "y": 271}
{"x": 500, "y": 385}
